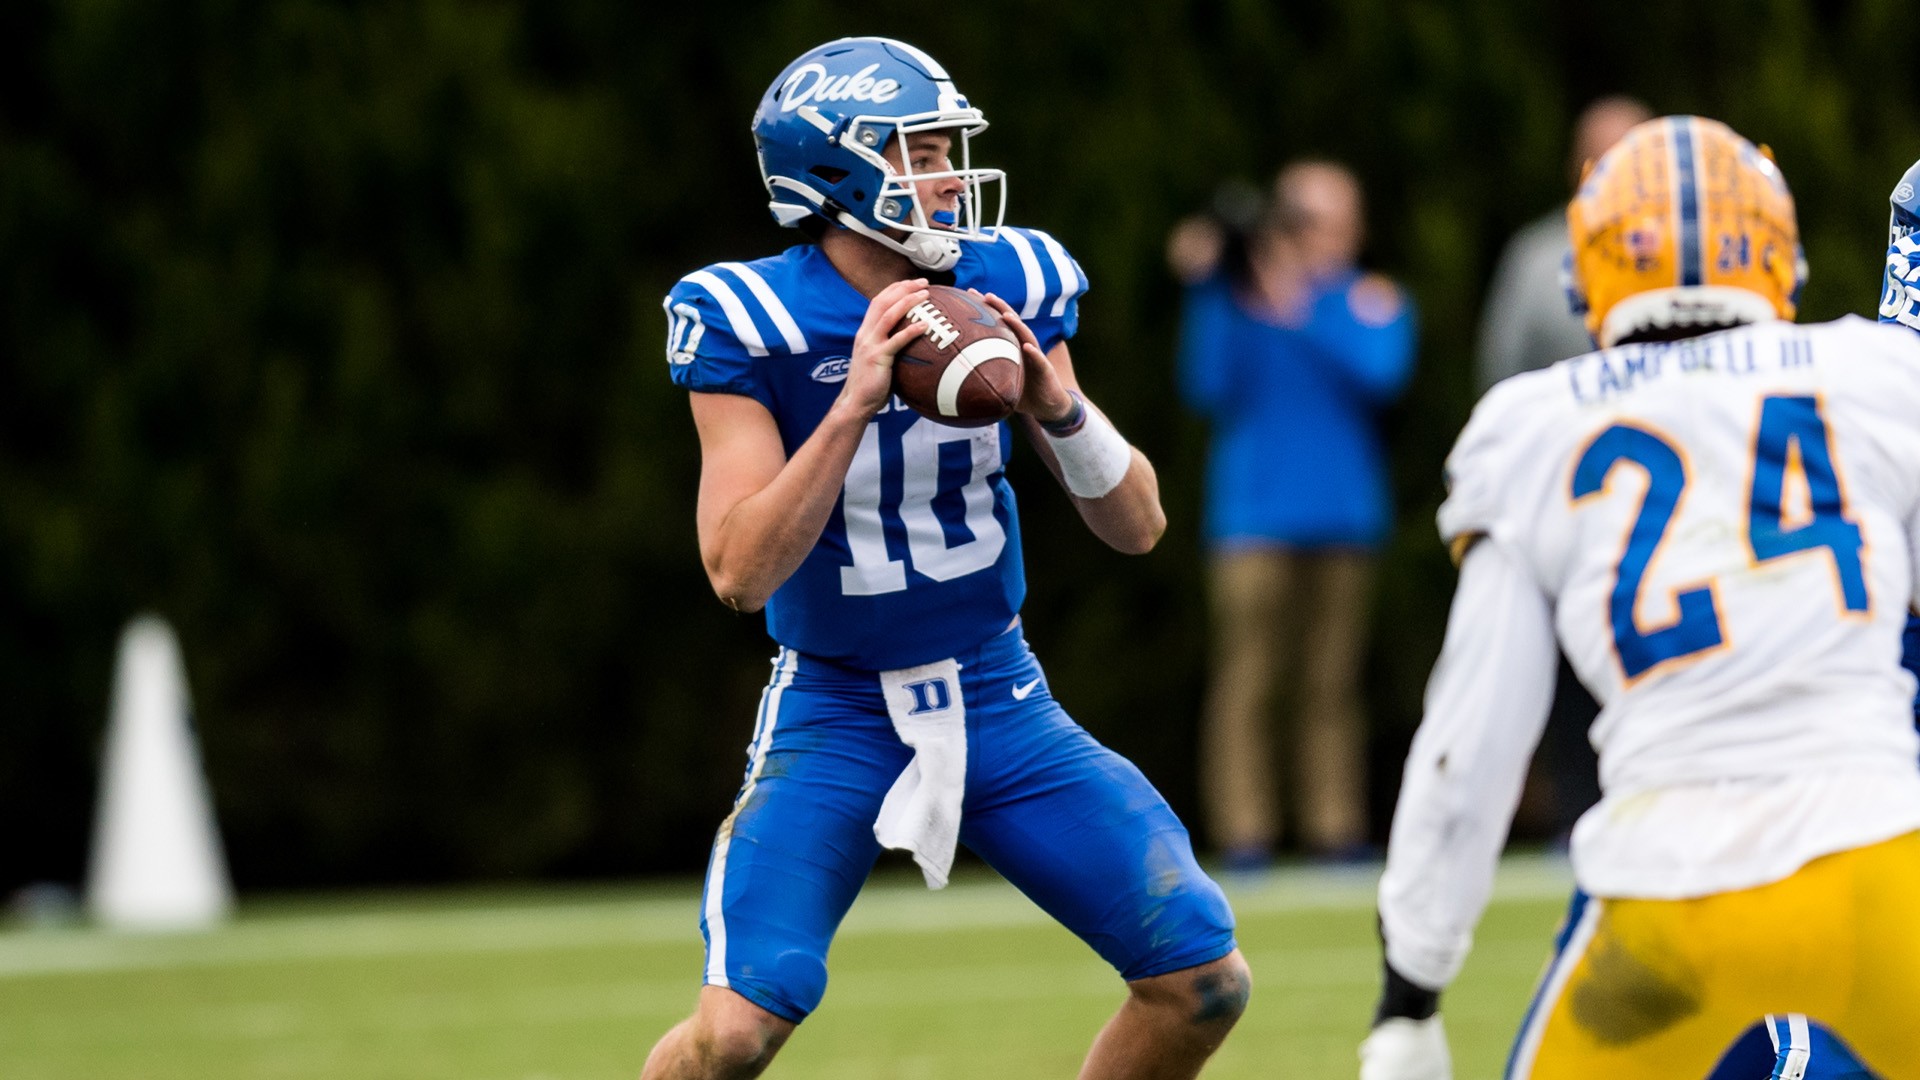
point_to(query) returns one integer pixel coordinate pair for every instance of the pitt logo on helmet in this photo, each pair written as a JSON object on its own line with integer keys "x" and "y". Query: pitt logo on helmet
{"x": 1683, "y": 225}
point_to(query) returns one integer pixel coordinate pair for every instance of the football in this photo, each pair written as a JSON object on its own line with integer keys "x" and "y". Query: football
{"x": 965, "y": 370}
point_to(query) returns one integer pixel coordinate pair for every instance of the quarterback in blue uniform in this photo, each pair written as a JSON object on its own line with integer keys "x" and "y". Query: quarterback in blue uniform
{"x": 905, "y": 709}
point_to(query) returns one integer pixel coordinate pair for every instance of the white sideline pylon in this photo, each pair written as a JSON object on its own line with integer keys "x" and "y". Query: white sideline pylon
{"x": 156, "y": 862}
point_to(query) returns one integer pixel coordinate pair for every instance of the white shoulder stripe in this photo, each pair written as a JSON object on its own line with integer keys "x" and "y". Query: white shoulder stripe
{"x": 736, "y": 311}
{"x": 777, "y": 311}
{"x": 1036, "y": 283}
{"x": 1069, "y": 274}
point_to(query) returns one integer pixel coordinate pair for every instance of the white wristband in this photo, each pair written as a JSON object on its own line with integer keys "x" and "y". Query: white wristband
{"x": 1094, "y": 459}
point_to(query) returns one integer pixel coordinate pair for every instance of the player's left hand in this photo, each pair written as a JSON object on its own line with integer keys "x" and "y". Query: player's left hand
{"x": 1404, "y": 1049}
{"x": 1042, "y": 395}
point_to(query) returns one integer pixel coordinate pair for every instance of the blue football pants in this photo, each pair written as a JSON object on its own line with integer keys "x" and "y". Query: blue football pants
{"x": 1075, "y": 826}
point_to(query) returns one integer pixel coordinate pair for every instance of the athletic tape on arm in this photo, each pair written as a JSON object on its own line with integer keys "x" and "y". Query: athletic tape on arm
{"x": 1094, "y": 459}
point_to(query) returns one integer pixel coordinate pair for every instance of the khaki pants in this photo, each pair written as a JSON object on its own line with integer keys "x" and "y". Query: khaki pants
{"x": 1280, "y": 615}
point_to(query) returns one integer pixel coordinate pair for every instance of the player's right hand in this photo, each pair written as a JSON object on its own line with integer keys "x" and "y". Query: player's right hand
{"x": 1404, "y": 1049}
{"x": 870, "y": 370}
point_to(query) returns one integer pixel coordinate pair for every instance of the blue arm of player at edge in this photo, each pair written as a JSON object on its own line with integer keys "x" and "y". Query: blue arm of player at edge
{"x": 1910, "y": 656}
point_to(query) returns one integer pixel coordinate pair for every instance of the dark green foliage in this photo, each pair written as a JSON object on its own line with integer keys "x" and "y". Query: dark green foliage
{"x": 331, "y": 331}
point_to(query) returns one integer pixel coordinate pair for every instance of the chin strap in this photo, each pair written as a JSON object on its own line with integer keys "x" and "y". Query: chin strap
{"x": 923, "y": 251}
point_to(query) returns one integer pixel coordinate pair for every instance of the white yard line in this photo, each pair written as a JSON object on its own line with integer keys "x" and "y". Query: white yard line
{"x": 888, "y": 908}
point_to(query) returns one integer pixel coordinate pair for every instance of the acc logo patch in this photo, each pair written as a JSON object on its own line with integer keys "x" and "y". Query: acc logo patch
{"x": 1903, "y": 193}
{"x": 833, "y": 369}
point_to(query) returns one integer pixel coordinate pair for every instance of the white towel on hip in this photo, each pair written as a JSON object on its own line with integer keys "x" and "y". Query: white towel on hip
{"x": 921, "y": 812}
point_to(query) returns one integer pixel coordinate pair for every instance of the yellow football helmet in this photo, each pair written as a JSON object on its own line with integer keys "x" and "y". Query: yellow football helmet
{"x": 1682, "y": 226}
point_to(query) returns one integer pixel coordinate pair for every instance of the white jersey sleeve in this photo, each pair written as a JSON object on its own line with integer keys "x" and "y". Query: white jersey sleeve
{"x": 1480, "y": 468}
{"x": 1913, "y": 539}
{"x": 1486, "y": 704}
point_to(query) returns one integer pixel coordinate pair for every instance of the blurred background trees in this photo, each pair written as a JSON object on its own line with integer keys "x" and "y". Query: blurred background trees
{"x": 331, "y": 331}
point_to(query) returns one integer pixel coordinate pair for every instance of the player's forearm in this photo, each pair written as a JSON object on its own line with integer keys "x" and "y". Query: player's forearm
{"x": 1486, "y": 705}
{"x": 765, "y": 537}
{"x": 1129, "y": 518}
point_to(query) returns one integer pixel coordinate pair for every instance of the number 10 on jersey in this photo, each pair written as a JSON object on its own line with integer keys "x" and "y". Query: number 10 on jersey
{"x": 922, "y": 447}
{"x": 1791, "y": 433}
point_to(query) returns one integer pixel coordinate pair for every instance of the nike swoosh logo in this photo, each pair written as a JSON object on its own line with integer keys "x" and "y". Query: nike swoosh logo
{"x": 1020, "y": 692}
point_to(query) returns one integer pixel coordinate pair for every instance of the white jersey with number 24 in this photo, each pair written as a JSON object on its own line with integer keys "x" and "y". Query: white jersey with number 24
{"x": 1720, "y": 533}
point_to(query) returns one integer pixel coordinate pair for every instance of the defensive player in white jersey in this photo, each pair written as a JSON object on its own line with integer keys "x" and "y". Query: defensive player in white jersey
{"x": 1720, "y": 528}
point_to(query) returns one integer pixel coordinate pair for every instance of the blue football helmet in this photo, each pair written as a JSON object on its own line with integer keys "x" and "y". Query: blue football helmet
{"x": 1900, "y": 281}
{"x": 822, "y": 125}
{"x": 1905, "y": 218}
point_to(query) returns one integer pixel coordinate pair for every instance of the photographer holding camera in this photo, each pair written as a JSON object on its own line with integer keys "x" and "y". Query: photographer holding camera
{"x": 1289, "y": 350}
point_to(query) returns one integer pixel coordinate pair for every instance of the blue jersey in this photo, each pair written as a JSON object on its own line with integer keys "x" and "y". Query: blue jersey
{"x": 921, "y": 557}
{"x": 1910, "y": 656}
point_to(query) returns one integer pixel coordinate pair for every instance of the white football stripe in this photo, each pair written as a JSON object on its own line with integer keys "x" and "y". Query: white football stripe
{"x": 1799, "y": 1048}
{"x": 934, "y": 70}
{"x": 736, "y": 311}
{"x": 1069, "y": 274}
{"x": 1036, "y": 282}
{"x": 784, "y": 667}
{"x": 777, "y": 311}
{"x": 993, "y": 348}
{"x": 1548, "y": 997}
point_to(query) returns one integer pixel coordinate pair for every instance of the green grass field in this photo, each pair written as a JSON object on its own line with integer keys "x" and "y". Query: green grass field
{"x": 572, "y": 983}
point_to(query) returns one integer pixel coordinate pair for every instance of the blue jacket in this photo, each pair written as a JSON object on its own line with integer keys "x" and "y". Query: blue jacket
{"x": 1296, "y": 459}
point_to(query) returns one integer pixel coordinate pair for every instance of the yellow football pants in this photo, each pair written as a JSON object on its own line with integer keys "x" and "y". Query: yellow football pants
{"x": 1660, "y": 988}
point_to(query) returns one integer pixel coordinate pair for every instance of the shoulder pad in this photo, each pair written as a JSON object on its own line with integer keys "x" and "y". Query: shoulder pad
{"x": 721, "y": 320}
{"x": 735, "y": 311}
{"x": 1028, "y": 269}
{"x": 1489, "y": 446}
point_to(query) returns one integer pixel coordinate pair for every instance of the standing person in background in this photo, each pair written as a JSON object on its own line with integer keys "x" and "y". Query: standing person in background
{"x": 1290, "y": 352}
{"x": 1527, "y": 325}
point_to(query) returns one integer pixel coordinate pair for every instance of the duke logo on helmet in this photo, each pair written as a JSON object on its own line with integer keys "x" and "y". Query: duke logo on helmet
{"x": 812, "y": 83}
{"x": 822, "y": 129}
